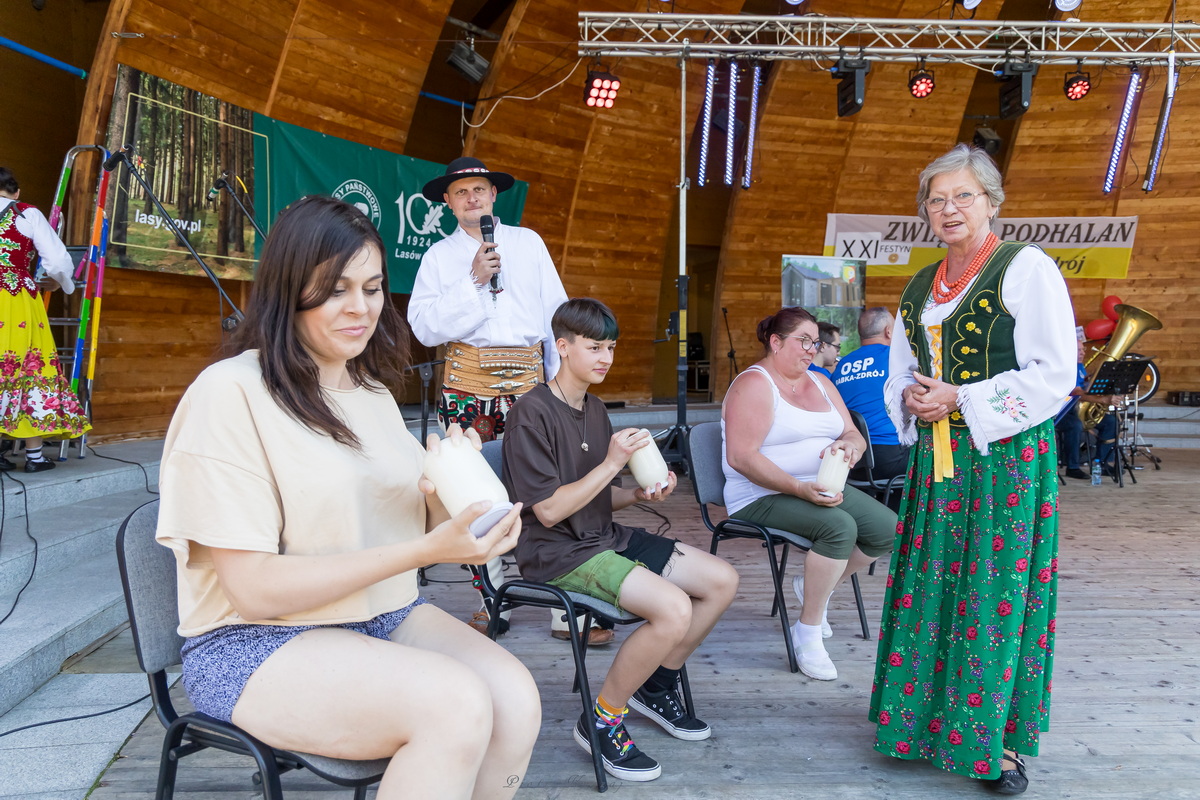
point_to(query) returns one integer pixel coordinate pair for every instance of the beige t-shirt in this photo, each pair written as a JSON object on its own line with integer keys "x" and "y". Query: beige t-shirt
{"x": 239, "y": 473}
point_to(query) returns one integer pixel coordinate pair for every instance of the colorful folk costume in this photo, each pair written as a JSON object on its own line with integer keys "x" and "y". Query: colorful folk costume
{"x": 967, "y": 641}
{"x": 35, "y": 399}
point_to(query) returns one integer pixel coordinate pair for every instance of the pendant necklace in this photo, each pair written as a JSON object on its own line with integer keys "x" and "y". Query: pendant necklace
{"x": 792, "y": 385}
{"x": 583, "y": 407}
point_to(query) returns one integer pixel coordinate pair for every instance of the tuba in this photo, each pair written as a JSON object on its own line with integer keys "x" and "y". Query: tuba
{"x": 1132, "y": 322}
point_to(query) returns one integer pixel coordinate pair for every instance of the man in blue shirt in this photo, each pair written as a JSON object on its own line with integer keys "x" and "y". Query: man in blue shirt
{"x": 859, "y": 378}
{"x": 826, "y": 357}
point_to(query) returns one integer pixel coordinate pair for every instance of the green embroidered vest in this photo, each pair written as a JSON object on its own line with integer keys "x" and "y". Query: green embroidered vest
{"x": 977, "y": 337}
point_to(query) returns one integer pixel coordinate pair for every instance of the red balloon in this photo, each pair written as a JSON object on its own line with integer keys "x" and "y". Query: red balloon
{"x": 1099, "y": 328}
{"x": 1108, "y": 304}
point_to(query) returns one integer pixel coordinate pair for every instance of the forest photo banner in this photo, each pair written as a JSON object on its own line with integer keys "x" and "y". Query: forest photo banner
{"x": 292, "y": 162}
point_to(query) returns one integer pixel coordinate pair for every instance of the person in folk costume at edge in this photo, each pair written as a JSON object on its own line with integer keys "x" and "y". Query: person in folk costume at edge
{"x": 35, "y": 399}
{"x": 982, "y": 354}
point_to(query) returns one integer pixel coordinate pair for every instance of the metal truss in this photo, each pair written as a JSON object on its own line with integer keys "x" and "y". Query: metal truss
{"x": 979, "y": 42}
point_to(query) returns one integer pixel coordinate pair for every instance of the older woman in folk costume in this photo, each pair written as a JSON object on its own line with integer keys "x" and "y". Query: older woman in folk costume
{"x": 35, "y": 400}
{"x": 981, "y": 357}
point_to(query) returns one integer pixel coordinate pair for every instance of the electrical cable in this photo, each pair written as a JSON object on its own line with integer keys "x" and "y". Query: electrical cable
{"x": 72, "y": 719}
{"x": 496, "y": 105}
{"x": 145, "y": 474}
{"x": 3, "y": 513}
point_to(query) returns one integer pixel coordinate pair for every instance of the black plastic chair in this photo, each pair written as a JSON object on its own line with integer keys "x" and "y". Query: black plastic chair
{"x": 519, "y": 592}
{"x": 148, "y": 579}
{"x": 862, "y": 477}
{"x": 708, "y": 480}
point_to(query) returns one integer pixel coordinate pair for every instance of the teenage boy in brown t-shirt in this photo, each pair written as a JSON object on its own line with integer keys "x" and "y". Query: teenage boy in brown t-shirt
{"x": 562, "y": 460}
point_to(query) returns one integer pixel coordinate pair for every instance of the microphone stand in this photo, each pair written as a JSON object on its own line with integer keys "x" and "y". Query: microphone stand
{"x": 732, "y": 354}
{"x": 221, "y": 183}
{"x": 122, "y": 155}
{"x": 425, "y": 371}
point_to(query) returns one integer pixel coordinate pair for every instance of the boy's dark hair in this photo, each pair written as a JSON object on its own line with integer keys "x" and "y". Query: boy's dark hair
{"x": 826, "y": 330}
{"x": 313, "y": 240}
{"x": 586, "y": 317}
{"x": 8, "y": 181}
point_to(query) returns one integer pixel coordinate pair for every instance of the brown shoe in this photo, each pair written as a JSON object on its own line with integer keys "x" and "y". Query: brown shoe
{"x": 480, "y": 621}
{"x": 597, "y": 637}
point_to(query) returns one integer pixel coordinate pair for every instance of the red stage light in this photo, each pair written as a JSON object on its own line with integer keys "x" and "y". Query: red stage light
{"x": 601, "y": 89}
{"x": 920, "y": 83}
{"x": 1077, "y": 85}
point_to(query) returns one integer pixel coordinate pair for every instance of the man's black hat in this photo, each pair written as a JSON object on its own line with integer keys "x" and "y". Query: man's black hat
{"x": 464, "y": 167}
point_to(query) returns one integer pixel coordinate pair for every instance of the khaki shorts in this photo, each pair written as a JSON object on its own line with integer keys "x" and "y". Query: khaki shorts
{"x": 602, "y": 575}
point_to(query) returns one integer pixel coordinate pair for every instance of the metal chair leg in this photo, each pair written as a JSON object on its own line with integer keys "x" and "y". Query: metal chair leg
{"x": 862, "y": 612}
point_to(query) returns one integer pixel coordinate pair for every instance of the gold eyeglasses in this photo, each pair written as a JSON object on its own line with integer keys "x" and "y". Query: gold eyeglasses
{"x": 960, "y": 200}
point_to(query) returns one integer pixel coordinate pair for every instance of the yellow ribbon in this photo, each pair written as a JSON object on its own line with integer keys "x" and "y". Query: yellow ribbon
{"x": 943, "y": 456}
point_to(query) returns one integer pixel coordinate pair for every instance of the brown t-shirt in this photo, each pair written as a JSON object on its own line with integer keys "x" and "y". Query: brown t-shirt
{"x": 542, "y": 438}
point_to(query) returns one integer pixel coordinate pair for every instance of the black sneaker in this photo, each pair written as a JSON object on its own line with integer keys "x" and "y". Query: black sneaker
{"x": 634, "y": 765}
{"x": 666, "y": 708}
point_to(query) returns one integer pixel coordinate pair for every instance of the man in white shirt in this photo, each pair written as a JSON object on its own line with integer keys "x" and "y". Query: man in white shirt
{"x": 490, "y": 304}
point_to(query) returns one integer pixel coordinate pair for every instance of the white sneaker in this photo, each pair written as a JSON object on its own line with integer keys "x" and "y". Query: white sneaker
{"x": 812, "y": 658}
{"x": 798, "y": 588}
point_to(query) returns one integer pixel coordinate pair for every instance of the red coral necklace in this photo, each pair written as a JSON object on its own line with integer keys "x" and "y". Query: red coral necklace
{"x": 953, "y": 290}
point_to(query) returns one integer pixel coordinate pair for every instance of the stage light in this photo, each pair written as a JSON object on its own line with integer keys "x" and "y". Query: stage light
{"x": 1118, "y": 148}
{"x": 969, "y": 5}
{"x": 988, "y": 140}
{"x": 1077, "y": 84}
{"x": 1067, "y": 5}
{"x": 731, "y": 122}
{"x": 706, "y": 120}
{"x": 920, "y": 82}
{"x": 1160, "y": 130}
{"x": 851, "y": 74}
{"x": 467, "y": 62}
{"x": 756, "y": 78}
{"x": 1016, "y": 87}
{"x": 601, "y": 89}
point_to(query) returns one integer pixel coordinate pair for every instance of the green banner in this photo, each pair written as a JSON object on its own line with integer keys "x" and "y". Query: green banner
{"x": 291, "y": 162}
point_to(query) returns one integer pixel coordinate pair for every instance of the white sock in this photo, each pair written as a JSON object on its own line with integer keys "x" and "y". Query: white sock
{"x": 807, "y": 635}
{"x": 34, "y": 454}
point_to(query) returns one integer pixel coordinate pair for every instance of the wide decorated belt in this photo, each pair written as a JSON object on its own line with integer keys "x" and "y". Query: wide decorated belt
{"x": 492, "y": 371}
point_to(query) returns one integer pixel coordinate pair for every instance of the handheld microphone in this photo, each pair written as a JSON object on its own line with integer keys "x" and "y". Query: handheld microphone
{"x": 217, "y": 186}
{"x": 487, "y": 227}
{"x": 116, "y": 157}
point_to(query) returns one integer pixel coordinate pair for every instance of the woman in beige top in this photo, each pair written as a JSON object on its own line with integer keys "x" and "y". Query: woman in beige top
{"x": 292, "y": 497}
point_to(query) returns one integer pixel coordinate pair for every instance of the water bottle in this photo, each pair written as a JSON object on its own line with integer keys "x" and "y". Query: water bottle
{"x": 1096, "y": 474}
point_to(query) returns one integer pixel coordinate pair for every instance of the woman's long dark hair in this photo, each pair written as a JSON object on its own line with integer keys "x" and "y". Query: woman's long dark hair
{"x": 313, "y": 240}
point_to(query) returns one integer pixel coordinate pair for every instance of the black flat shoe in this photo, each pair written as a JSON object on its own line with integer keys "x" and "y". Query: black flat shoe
{"x": 1011, "y": 781}
{"x": 39, "y": 466}
{"x": 1078, "y": 473}
{"x": 6, "y": 465}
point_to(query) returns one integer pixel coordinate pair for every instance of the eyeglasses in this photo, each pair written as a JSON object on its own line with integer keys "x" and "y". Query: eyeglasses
{"x": 960, "y": 200}
{"x": 806, "y": 342}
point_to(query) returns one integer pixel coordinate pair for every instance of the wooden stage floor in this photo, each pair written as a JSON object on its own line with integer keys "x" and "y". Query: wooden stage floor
{"x": 1123, "y": 724}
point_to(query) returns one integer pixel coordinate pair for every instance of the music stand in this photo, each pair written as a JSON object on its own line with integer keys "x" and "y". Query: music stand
{"x": 1118, "y": 378}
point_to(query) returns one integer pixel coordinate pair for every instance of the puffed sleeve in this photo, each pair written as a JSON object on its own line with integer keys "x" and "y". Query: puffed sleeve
{"x": 55, "y": 260}
{"x": 445, "y": 305}
{"x": 1035, "y": 293}
{"x": 901, "y": 365}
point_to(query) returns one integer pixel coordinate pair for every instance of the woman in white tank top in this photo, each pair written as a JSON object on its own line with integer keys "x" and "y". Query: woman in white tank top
{"x": 778, "y": 421}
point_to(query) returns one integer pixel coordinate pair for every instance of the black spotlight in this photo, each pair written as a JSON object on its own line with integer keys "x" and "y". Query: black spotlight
{"x": 920, "y": 82}
{"x": 1016, "y": 87}
{"x": 601, "y": 89}
{"x": 988, "y": 140}
{"x": 851, "y": 74}
{"x": 1077, "y": 84}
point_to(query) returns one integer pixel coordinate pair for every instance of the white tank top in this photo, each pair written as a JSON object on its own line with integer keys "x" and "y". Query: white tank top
{"x": 794, "y": 444}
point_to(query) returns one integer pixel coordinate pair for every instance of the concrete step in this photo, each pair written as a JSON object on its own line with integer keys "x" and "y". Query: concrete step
{"x": 78, "y": 479}
{"x": 58, "y": 615}
{"x": 65, "y": 535}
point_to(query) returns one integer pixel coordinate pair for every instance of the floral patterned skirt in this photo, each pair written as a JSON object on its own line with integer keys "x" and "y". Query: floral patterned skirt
{"x": 966, "y": 645}
{"x": 35, "y": 399}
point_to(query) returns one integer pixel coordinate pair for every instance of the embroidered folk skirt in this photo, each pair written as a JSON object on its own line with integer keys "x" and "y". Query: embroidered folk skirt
{"x": 35, "y": 399}
{"x": 967, "y": 639}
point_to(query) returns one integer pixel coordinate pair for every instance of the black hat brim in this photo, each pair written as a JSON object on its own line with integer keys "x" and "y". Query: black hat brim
{"x": 435, "y": 190}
